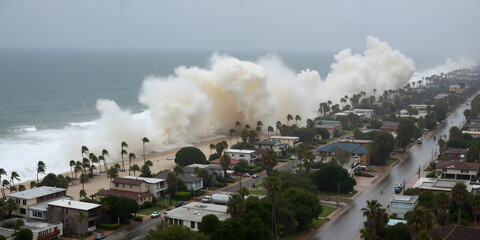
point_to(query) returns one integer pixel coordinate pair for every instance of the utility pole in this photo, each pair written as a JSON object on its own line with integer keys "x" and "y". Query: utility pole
{"x": 338, "y": 194}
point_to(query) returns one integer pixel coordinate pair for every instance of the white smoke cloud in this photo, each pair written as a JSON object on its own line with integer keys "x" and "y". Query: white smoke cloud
{"x": 195, "y": 103}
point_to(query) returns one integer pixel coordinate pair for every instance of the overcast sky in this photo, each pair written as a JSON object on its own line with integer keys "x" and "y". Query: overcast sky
{"x": 450, "y": 28}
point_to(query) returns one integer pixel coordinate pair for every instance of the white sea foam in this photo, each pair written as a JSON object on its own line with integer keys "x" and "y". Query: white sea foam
{"x": 25, "y": 129}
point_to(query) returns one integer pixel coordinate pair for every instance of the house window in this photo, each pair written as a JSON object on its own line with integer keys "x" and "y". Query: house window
{"x": 180, "y": 222}
{"x": 24, "y": 202}
{"x": 116, "y": 184}
{"x": 464, "y": 171}
{"x": 23, "y": 211}
{"x": 242, "y": 155}
{"x": 444, "y": 170}
{"x": 17, "y": 201}
{"x": 123, "y": 185}
{"x": 192, "y": 225}
{"x": 37, "y": 214}
{"x": 130, "y": 186}
{"x": 66, "y": 211}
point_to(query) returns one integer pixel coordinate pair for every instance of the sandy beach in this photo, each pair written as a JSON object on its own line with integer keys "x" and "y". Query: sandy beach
{"x": 159, "y": 160}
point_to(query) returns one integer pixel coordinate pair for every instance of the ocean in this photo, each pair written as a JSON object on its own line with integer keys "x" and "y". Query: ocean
{"x": 43, "y": 93}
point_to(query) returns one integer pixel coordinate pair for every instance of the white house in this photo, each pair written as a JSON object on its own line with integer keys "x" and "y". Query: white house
{"x": 353, "y": 166}
{"x": 440, "y": 185}
{"x": 249, "y": 155}
{"x": 155, "y": 186}
{"x": 457, "y": 170}
{"x": 401, "y": 204}
{"x": 291, "y": 141}
{"x": 210, "y": 168}
{"x": 191, "y": 215}
{"x": 191, "y": 182}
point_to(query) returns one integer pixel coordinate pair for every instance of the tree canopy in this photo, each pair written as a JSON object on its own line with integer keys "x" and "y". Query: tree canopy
{"x": 167, "y": 231}
{"x": 381, "y": 147}
{"x": 190, "y": 155}
{"x": 120, "y": 207}
{"x": 328, "y": 177}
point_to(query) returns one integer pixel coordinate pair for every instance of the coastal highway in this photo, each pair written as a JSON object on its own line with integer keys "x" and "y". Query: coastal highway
{"x": 383, "y": 189}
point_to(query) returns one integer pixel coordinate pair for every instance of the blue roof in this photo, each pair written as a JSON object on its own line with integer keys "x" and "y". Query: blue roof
{"x": 328, "y": 121}
{"x": 324, "y": 126}
{"x": 349, "y": 147}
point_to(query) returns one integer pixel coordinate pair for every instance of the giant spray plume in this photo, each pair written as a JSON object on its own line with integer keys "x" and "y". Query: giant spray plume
{"x": 195, "y": 103}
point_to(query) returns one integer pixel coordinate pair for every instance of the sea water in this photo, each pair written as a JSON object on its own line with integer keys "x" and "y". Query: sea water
{"x": 45, "y": 93}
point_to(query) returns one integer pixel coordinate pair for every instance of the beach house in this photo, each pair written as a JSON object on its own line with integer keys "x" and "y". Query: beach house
{"x": 355, "y": 150}
{"x": 67, "y": 212}
{"x": 155, "y": 186}
{"x": 27, "y": 198}
{"x": 135, "y": 189}
{"x": 289, "y": 140}
{"x": 191, "y": 215}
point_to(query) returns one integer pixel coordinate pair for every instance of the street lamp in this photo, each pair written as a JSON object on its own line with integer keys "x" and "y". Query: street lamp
{"x": 338, "y": 194}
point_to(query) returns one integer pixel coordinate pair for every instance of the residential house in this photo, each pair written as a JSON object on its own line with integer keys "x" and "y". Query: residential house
{"x": 290, "y": 141}
{"x": 329, "y": 123}
{"x": 362, "y": 113}
{"x": 456, "y": 232}
{"x": 248, "y": 155}
{"x": 40, "y": 210}
{"x": 33, "y": 196}
{"x": 363, "y": 142}
{"x": 401, "y": 204}
{"x": 135, "y": 189}
{"x": 419, "y": 106}
{"x": 276, "y": 146}
{"x": 191, "y": 182}
{"x": 355, "y": 150}
{"x": 41, "y": 230}
{"x": 155, "y": 186}
{"x": 457, "y": 170}
{"x": 440, "y": 184}
{"x": 440, "y": 96}
{"x": 353, "y": 166}
{"x": 191, "y": 215}
{"x": 473, "y": 127}
{"x": 389, "y": 126}
{"x": 233, "y": 162}
{"x": 210, "y": 168}
{"x": 457, "y": 154}
{"x": 329, "y": 128}
{"x": 474, "y": 134}
{"x": 67, "y": 212}
{"x": 457, "y": 88}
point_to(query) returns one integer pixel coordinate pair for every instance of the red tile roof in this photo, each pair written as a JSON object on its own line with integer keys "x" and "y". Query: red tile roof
{"x": 121, "y": 193}
{"x": 233, "y": 161}
{"x": 458, "y": 165}
{"x": 457, "y": 232}
{"x": 127, "y": 181}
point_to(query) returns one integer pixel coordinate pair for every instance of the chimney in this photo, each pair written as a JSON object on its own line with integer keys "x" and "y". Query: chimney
{"x": 69, "y": 202}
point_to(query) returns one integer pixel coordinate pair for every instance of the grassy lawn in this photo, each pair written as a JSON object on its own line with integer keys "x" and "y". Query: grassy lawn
{"x": 391, "y": 161}
{"x": 322, "y": 193}
{"x": 284, "y": 160}
{"x": 317, "y": 223}
{"x": 258, "y": 192}
{"x": 326, "y": 211}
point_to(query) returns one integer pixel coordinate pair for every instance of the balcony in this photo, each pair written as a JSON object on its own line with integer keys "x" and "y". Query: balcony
{"x": 49, "y": 235}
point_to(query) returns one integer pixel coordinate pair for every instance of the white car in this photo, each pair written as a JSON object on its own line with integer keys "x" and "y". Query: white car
{"x": 255, "y": 175}
{"x": 155, "y": 214}
{"x": 293, "y": 158}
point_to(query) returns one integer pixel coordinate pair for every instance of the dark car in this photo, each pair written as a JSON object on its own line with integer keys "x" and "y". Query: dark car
{"x": 181, "y": 203}
{"x": 100, "y": 236}
{"x": 367, "y": 174}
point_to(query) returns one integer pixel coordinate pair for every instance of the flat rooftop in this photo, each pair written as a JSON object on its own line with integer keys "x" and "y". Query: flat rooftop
{"x": 42, "y": 206}
{"x": 284, "y": 137}
{"x": 231, "y": 150}
{"x": 146, "y": 179}
{"x": 195, "y": 211}
{"x": 74, "y": 204}
{"x": 440, "y": 184}
{"x": 36, "y": 192}
{"x": 404, "y": 198}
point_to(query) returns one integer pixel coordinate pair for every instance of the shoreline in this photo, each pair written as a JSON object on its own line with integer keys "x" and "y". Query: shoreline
{"x": 159, "y": 160}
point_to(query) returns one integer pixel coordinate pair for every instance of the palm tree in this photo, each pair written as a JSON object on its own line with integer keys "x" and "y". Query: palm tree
{"x": 5, "y": 184}
{"x": 368, "y": 233}
{"x": 237, "y": 124}
{"x": 371, "y": 212}
{"x": 225, "y": 161}
{"x": 273, "y": 185}
{"x": 211, "y": 146}
{"x": 2, "y": 172}
{"x": 259, "y": 126}
{"x": 442, "y": 202}
{"x": 78, "y": 168}
{"x": 72, "y": 165}
{"x": 14, "y": 176}
{"x": 374, "y": 91}
{"x": 85, "y": 165}
{"x": 297, "y": 118}
{"x": 33, "y": 184}
{"x": 112, "y": 173}
{"x": 21, "y": 187}
{"x": 144, "y": 140}
{"x": 236, "y": 205}
{"x": 278, "y": 125}
{"x": 269, "y": 129}
{"x": 308, "y": 160}
{"x": 123, "y": 152}
{"x": 83, "y": 194}
{"x": 244, "y": 192}
{"x": 135, "y": 168}
{"x": 130, "y": 156}
{"x": 100, "y": 159}
{"x": 171, "y": 184}
{"x": 93, "y": 158}
{"x": 81, "y": 216}
{"x": 105, "y": 153}
{"x": 232, "y": 131}
{"x": 420, "y": 218}
{"x": 17, "y": 224}
{"x": 83, "y": 180}
{"x": 247, "y": 126}
{"x": 84, "y": 151}
{"x": 270, "y": 160}
{"x": 459, "y": 195}
{"x": 289, "y": 117}
{"x": 475, "y": 204}
{"x": 40, "y": 168}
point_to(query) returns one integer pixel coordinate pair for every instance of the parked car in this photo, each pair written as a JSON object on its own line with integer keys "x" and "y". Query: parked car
{"x": 100, "y": 236}
{"x": 246, "y": 174}
{"x": 255, "y": 175}
{"x": 233, "y": 177}
{"x": 155, "y": 214}
{"x": 293, "y": 158}
{"x": 419, "y": 141}
{"x": 180, "y": 203}
{"x": 367, "y": 174}
{"x": 239, "y": 174}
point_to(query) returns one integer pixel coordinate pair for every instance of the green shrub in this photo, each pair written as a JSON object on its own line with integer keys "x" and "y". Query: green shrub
{"x": 24, "y": 234}
{"x": 146, "y": 204}
{"x": 2, "y": 237}
{"x": 138, "y": 218}
{"x": 8, "y": 223}
{"x": 154, "y": 200}
{"x": 221, "y": 184}
{"x": 182, "y": 196}
{"x": 431, "y": 175}
{"x": 108, "y": 226}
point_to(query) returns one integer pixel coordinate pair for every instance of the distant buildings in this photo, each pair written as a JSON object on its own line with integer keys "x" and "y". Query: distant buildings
{"x": 355, "y": 150}
{"x": 457, "y": 154}
{"x": 362, "y": 113}
{"x": 389, "y": 126}
{"x": 249, "y": 155}
{"x": 290, "y": 141}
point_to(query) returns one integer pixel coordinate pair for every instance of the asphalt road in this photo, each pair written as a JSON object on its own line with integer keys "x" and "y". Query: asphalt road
{"x": 350, "y": 220}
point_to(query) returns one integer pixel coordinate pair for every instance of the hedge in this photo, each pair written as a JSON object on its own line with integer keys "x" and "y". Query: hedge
{"x": 138, "y": 218}
{"x": 251, "y": 170}
{"x": 108, "y": 226}
{"x": 146, "y": 204}
{"x": 182, "y": 196}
